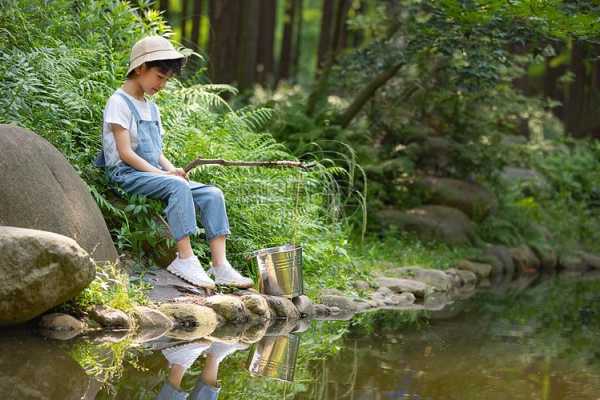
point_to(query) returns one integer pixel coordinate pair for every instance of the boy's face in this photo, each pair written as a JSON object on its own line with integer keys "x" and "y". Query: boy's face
{"x": 152, "y": 80}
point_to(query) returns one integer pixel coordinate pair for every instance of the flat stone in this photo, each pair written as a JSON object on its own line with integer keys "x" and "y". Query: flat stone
{"x": 342, "y": 302}
{"x": 61, "y": 322}
{"x": 400, "y": 285}
{"x": 110, "y": 317}
{"x": 468, "y": 277}
{"x": 432, "y": 277}
{"x": 502, "y": 254}
{"x": 282, "y": 307}
{"x": 572, "y": 262}
{"x": 304, "y": 305}
{"x": 525, "y": 259}
{"x": 151, "y": 318}
{"x": 257, "y": 305}
{"x": 592, "y": 260}
{"x": 229, "y": 308}
{"x": 361, "y": 285}
{"x": 201, "y": 320}
{"x": 482, "y": 271}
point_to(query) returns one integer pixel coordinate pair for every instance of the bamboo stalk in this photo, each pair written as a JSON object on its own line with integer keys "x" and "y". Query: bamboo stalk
{"x": 237, "y": 163}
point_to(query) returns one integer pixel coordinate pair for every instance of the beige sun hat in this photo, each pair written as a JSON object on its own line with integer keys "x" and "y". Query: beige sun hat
{"x": 152, "y": 48}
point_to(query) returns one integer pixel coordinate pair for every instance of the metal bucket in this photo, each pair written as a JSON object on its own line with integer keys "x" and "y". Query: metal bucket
{"x": 280, "y": 270}
{"x": 275, "y": 357}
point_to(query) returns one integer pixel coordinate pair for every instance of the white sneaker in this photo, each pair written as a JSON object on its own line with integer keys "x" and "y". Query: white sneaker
{"x": 220, "y": 350}
{"x": 227, "y": 275}
{"x": 185, "y": 354}
{"x": 190, "y": 269}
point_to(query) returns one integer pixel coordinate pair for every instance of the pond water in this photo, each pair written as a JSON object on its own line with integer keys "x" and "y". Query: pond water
{"x": 539, "y": 343}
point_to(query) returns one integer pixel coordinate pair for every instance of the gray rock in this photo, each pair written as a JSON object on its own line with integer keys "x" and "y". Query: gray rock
{"x": 592, "y": 260}
{"x": 432, "y": 277}
{"x": 321, "y": 310}
{"x": 361, "y": 285}
{"x": 150, "y": 318}
{"x": 304, "y": 305}
{"x": 502, "y": 254}
{"x": 188, "y": 315}
{"x": 547, "y": 256}
{"x": 524, "y": 177}
{"x": 61, "y": 322}
{"x": 39, "y": 271}
{"x": 386, "y": 297}
{"x": 472, "y": 199}
{"x": 66, "y": 206}
{"x": 257, "y": 305}
{"x": 229, "y": 308}
{"x": 468, "y": 278}
{"x": 36, "y": 369}
{"x": 110, "y": 317}
{"x": 572, "y": 262}
{"x": 282, "y": 307}
{"x": 342, "y": 302}
{"x": 482, "y": 271}
{"x": 441, "y": 223}
{"x": 400, "y": 285}
{"x": 525, "y": 259}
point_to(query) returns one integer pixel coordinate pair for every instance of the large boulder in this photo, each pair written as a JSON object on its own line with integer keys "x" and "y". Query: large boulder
{"x": 41, "y": 190}
{"x": 472, "y": 199}
{"x": 39, "y": 270}
{"x": 524, "y": 177}
{"x": 441, "y": 223}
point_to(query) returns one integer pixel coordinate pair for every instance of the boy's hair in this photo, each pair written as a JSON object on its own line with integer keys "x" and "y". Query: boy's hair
{"x": 165, "y": 66}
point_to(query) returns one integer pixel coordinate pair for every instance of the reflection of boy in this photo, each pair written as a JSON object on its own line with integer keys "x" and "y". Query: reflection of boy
{"x": 182, "y": 357}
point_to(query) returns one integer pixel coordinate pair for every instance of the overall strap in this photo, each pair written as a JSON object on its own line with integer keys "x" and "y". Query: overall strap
{"x": 131, "y": 106}
{"x": 153, "y": 111}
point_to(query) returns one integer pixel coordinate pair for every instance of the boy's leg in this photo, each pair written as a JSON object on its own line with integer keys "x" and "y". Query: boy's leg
{"x": 180, "y": 210}
{"x": 213, "y": 213}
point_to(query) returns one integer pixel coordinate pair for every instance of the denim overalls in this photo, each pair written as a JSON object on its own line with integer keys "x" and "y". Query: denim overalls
{"x": 201, "y": 391}
{"x": 182, "y": 196}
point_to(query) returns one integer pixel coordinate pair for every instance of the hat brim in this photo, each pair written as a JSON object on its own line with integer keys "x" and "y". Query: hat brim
{"x": 154, "y": 56}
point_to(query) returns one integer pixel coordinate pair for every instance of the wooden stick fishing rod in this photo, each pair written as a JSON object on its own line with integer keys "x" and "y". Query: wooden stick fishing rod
{"x": 237, "y": 163}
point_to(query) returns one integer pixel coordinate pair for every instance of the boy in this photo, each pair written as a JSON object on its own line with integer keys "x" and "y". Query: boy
{"x": 132, "y": 147}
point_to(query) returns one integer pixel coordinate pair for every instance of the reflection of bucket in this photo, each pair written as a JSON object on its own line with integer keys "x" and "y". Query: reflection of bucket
{"x": 275, "y": 357}
{"x": 280, "y": 270}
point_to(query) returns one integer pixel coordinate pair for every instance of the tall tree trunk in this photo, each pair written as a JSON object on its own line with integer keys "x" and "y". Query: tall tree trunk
{"x": 248, "y": 43}
{"x": 326, "y": 34}
{"x": 224, "y": 18}
{"x": 575, "y": 101}
{"x": 298, "y": 39}
{"x": 340, "y": 31}
{"x": 195, "y": 38}
{"x": 287, "y": 42}
{"x": 265, "y": 58}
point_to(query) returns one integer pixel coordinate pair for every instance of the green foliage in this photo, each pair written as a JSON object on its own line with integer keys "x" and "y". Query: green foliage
{"x": 112, "y": 287}
{"x": 60, "y": 61}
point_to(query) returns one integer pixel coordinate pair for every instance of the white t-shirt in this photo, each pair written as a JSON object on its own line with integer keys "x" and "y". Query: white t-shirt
{"x": 117, "y": 112}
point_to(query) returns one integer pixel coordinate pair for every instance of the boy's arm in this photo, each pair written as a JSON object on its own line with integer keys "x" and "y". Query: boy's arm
{"x": 168, "y": 166}
{"x": 165, "y": 163}
{"x": 126, "y": 152}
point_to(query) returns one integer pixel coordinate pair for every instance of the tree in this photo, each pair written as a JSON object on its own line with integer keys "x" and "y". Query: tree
{"x": 265, "y": 58}
{"x": 224, "y": 18}
{"x": 195, "y": 38}
{"x": 287, "y": 42}
{"x": 248, "y": 43}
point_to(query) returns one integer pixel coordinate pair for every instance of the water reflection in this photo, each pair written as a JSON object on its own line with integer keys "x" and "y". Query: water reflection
{"x": 540, "y": 344}
{"x": 181, "y": 357}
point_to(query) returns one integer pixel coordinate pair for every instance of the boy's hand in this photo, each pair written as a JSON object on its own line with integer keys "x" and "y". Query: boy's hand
{"x": 179, "y": 172}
